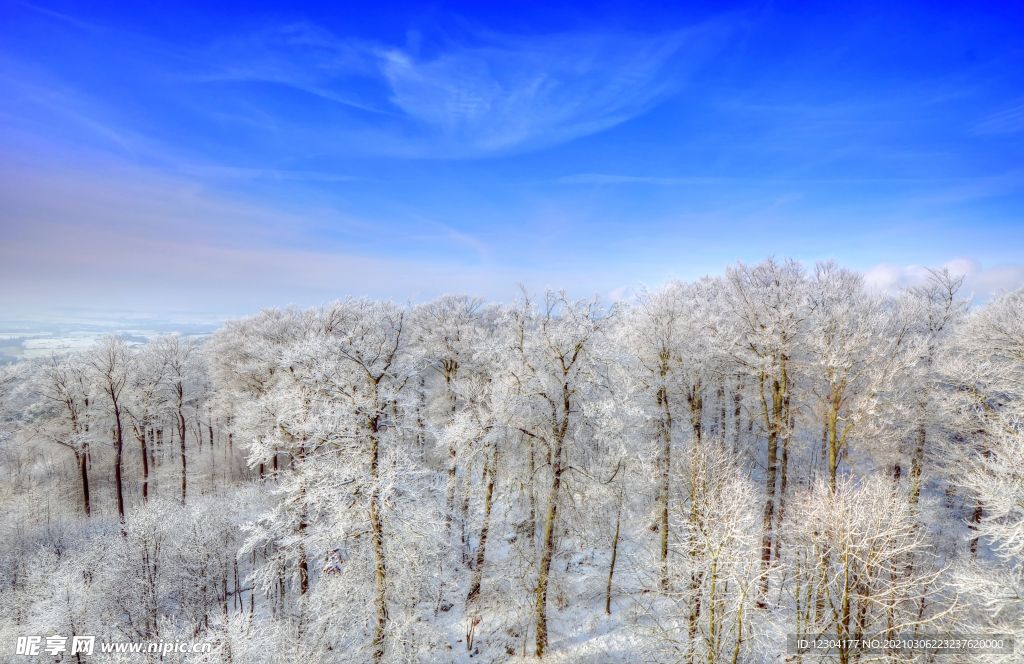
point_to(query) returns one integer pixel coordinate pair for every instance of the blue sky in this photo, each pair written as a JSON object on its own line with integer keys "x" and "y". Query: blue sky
{"x": 183, "y": 160}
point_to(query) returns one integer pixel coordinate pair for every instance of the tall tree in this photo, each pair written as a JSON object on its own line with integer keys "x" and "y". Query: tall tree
{"x": 179, "y": 358}
{"x": 938, "y": 310}
{"x": 447, "y": 332}
{"x": 767, "y": 306}
{"x": 984, "y": 364}
{"x": 146, "y": 401}
{"x": 858, "y": 344}
{"x": 63, "y": 386}
{"x": 667, "y": 333}
{"x": 111, "y": 363}
{"x": 333, "y": 407}
{"x": 551, "y": 359}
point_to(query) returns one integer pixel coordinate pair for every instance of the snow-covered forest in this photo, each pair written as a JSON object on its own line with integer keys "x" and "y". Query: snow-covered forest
{"x": 691, "y": 476}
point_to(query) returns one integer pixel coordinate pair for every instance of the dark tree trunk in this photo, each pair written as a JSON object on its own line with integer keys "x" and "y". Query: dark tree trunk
{"x": 737, "y": 401}
{"x": 721, "y": 408}
{"x": 145, "y": 467}
{"x": 379, "y": 559}
{"x": 118, "y": 448}
{"x": 665, "y": 464}
{"x": 184, "y": 462}
{"x": 774, "y": 422}
{"x": 82, "y": 459}
{"x": 478, "y": 568}
{"x": 151, "y": 437}
{"x": 696, "y": 400}
{"x": 783, "y": 485}
{"x": 917, "y": 464}
{"x": 550, "y": 523}
{"x": 303, "y": 562}
{"x": 533, "y": 500}
{"x": 611, "y": 568}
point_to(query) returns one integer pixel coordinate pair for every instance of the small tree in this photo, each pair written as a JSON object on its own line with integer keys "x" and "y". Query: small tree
{"x": 708, "y": 610}
{"x": 863, "y": 566}
{"x": 63, "y": 387}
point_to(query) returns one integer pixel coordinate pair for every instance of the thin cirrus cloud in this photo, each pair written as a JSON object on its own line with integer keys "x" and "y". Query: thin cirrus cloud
{"x": 1004, "y": 122}
{"x": 299, "y": 90}
{"x": 495, "y": 94}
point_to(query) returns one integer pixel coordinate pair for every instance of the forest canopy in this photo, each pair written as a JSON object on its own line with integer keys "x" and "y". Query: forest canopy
{"x": 701, "y": 474}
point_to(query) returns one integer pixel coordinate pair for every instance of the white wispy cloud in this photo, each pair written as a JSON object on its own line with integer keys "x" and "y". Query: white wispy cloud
{"x": 302, "y": 56}
{"x": 528, "y": 92}
{"x": 489, "y": 93}
{"x": 477, "y": 94}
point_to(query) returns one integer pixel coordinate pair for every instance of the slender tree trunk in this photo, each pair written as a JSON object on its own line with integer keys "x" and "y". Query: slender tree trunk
{"x": 379, "y": 560}
{"x": 771, "y": 477}
{"x": 184, "y": 463}
{"x": 721, "y": 408}
{"x": 213, "y": 463}
{"x": 477, "y": 576}
{"x": 697, "y": 489}
{"x": 821, "y": 453}
{"x": 421, "y": 404}
{"x": 452, "y": 480}
{"x": 303, "y": 563}
{"x": 449, "y": 489}
{"x": 783, "y": 486}
{"x": 833, "y": 441}
{"x": 665, "y": 463}
{"x": 533, "y": 499}
{"x": 81, "y": 458}
{"x": 464, "y": 507}
{"x": 975, "y": 520}
{"x": 769, "y": 503}
{"x": 737, "y": 413}
{"x": 917, "y": 462}
{"x": 548, "y": 550}
{"x": 696, "y": 412}
{"x": 611, "y": 568}
{"x": 145, "y": 467}
{"x": 550, "y": 523}
{"x": 118, "y": 448}
{"x": 229, "y": 454}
